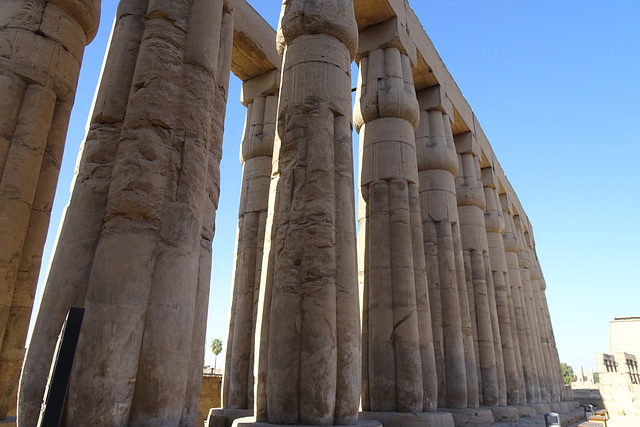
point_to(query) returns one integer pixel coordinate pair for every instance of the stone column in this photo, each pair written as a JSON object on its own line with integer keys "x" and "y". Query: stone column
{"x": 524, "y": 258}
{"x": 548, "y": 365}
{"x": 41, "y": 46}
{"x": 260, "y": 96}
{"x": 135, "y": 244}
{"x": 495, "y": 227}
{"x": 308, "y": 328}
{"x": 479, "y": 281}
{"x": 398, "y": 360}
{"x": 437, "y": 168}
{"x": 556, "y": 369}
{"x": 512, "y": 249}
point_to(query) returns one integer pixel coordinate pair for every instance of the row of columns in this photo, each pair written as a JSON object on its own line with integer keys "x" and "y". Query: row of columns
{"x": 450, "y": 318}
{"x": 453, "y": 306}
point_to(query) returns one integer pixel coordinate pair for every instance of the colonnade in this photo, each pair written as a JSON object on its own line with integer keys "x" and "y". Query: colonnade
{"x": 437, "y": 303}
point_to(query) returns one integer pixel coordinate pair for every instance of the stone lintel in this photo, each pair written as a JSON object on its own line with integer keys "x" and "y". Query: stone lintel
{"x": 264, "y": 84}
{"x": 467, "y": 143}
{"x": 254, "y": 43}
{"x": 387, "y": 34}
{"x": 489, "y": 178}
{"x": 435, "y": 98}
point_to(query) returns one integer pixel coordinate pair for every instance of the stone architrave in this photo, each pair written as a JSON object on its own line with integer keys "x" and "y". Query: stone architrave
{"x": 495, "y": 227}
{"x": 512, "y": 249}
{"x": 135, "y": 244}
{"x": 308, "y": 329}
{"x": 399, "y": 372}
{"x": 437, "y": 169}
{"x": 260, "y": 96}
{"x": 41, "y": 49}
{"x": 524, "y": 258}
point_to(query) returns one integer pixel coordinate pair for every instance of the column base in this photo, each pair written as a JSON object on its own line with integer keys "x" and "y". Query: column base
{"x": 505, "y": 414}
{"x": 219, "y": 417}
{"x": 526, "y": 411}
{"x": 471, "y": 417}
{"x": 410, "y": 419}
{"x": 541, "y": 408}
{"x": 251, "y": 422}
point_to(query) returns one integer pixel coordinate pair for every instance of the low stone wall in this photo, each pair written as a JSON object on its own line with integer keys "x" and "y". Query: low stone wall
{"x": 211, "y": 394}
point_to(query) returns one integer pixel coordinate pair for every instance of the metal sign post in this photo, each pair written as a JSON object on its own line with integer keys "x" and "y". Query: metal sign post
{"x": 56, "y": 391}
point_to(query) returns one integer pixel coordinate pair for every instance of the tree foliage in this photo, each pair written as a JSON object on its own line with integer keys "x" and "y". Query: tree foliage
{"x": 216, "y": 349}
{"x": 567, "y": 373}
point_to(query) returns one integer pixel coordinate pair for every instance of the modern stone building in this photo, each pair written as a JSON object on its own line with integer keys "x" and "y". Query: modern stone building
{"x": 435, "y": 311}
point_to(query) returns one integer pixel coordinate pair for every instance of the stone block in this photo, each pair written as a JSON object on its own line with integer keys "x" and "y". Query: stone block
{"x": 265, "y": 84}
{"x": 466, "y": 142}
{"x": 435, "y": 98}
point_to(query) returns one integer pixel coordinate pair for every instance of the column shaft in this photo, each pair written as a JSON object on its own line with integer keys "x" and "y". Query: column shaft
{"x": 399, "y": 360}
{"x": 495, "y": 227}
{"x": 151, "y": 166}
{"x": 471, "y": 204}
{"x": 256, "y": 157}
{"x": 438, "y": 166}
{"x": 308, "y": 290}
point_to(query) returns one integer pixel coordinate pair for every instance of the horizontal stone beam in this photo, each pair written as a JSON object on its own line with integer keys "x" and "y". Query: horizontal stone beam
{"x": 254, "y": 43}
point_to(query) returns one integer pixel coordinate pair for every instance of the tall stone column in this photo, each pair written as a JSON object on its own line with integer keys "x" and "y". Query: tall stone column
{"x": 135, "y": 244}
{"x": 556, "y": 369}
{"x": 471, "y": 205}
{"x": 524, "y": 258}
{"x": 550, "y": 384}
{"x": 510, "y": 244}
{"x": 437, "y": 168}
{"x": 495, "y": 227}
{"x": 260, "y": 96}
{"x": 512, "y": 249}
{"x": 399, "y": 373}
{"x": 41, "y": 49}
{"x": 308, "y": 328}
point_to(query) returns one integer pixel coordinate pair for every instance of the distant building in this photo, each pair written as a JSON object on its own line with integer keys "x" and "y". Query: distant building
{"x": 624, "y": 335}
{"x": 618, "y": 389}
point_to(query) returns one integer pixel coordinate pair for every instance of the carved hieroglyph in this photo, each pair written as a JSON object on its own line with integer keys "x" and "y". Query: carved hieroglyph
{"x": 41, "y": 48}
{"x": 308, "y": 335}
{"x": 398, "y": 360}
{"x": 135, "y": 246}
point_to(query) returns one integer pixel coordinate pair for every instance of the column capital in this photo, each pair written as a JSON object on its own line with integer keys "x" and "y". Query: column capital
{"x": 335, "y": 18}
{"x": 390, "y": 33}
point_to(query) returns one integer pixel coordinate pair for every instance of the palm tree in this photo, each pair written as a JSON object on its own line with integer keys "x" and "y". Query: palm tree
{"x": 216, "y": 348}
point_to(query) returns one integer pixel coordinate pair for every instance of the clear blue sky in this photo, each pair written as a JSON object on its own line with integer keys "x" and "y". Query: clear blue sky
{"x": 555, "y": 87}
